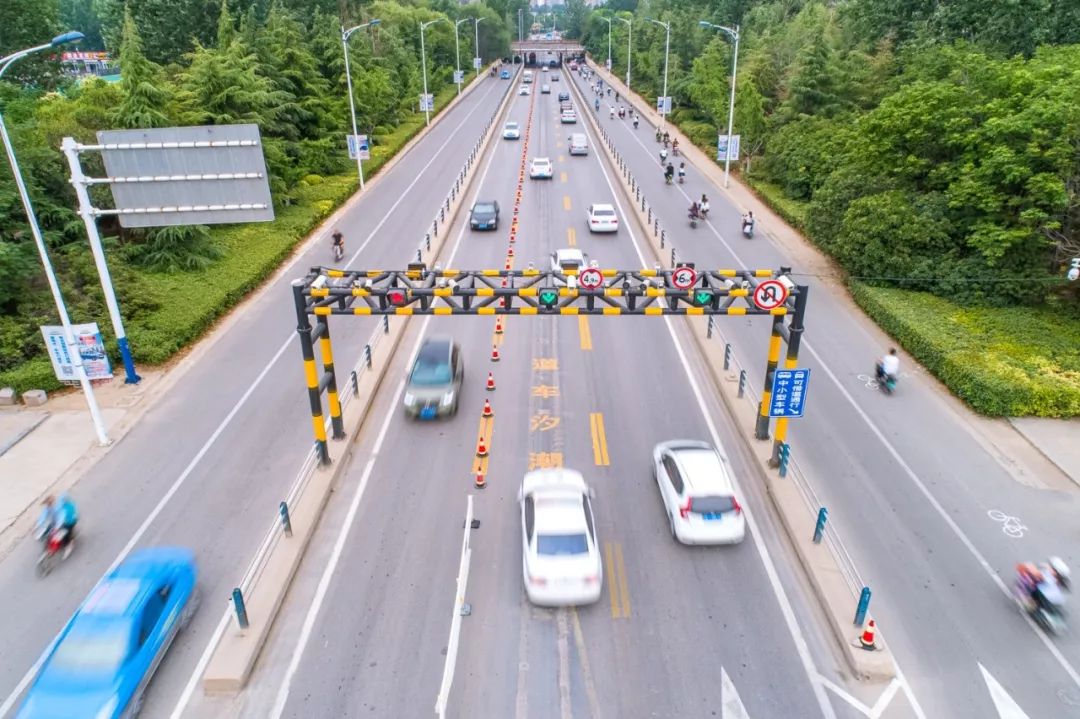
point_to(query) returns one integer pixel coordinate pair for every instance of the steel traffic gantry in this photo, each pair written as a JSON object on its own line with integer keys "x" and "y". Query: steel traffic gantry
{"x": 417, "y": 290}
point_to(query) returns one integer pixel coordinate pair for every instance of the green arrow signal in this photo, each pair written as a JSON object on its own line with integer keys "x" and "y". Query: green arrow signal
{"x": 703, "y": 297}
{"x": 548, "y": 297}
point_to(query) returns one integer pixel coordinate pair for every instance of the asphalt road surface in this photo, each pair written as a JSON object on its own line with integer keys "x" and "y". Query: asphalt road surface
{"x": 208, "y": 466}
{"x": 364, "y": 630}
{"x": 915, "y": 491}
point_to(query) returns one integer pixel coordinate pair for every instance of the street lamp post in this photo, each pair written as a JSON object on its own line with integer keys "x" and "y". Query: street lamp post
{"x": 629, "y": 47}
{"x": 423, "y": 64}
{"x": 457, "y": 51}
{"x": 345, "y": 35}
{"x": 476, "y": 43}
{"x": 35, "y": 230}
{"x": 520, "y": 37}
{"x": 667, "y": 49}
{"x": 733, "y": 33}
{"x": 608, "y": 21}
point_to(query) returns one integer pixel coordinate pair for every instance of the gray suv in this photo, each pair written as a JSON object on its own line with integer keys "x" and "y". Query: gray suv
{"x": 434, "y": 384}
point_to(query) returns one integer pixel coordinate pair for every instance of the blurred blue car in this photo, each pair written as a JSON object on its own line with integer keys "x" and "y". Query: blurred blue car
{"x": 104, "y": 658}
{"x": 504, "y": 74}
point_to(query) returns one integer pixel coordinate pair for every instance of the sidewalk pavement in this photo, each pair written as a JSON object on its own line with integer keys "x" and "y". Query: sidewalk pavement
{"x": 1056, "y": 440}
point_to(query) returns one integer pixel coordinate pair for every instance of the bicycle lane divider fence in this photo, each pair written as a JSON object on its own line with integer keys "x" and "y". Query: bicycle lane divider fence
{"x": 232, "y": 652}
{"x": 828, "y": 565}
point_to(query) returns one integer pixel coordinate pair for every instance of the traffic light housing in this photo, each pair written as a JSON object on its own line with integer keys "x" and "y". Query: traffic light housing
{"x": 702, "y": 296}
{"x": 548, "y": 297}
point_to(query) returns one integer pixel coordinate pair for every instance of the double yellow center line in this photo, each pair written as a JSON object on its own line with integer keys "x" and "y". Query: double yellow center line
{"x": 616, "y": 580}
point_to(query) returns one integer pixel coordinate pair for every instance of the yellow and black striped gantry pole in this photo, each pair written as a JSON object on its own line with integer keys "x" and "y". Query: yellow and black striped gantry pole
{"x": 308, "y": 335}
{"x": 420, "y": 291}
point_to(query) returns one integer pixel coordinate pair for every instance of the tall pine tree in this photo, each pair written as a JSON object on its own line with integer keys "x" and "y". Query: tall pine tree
{"x": 144, "y": 93}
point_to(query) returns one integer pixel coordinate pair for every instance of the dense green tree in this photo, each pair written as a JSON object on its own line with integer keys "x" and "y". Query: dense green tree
{"x": 80, "y": 15}
{"x": 145, "y": 96}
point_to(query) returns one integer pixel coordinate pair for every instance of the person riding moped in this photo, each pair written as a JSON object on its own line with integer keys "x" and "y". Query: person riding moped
{"x": 338, "y": 244}
{"x": 704, "y": 207}
{"x": 889, "y": 366}
{"x": 663, "y": 156}
{"x": 675, "y": 147}
{"x": 637, "y": 118}
{"x": 669, "y": 173}
{"x": 682, "y": 173}
{"x": 748, "y": 223}
{"x": 57, "y": 513}
{"x": 695, "y": 213}
{"x": 667, "y": 138}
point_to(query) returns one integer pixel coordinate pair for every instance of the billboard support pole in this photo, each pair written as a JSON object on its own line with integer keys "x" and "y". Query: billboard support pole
{"x": 61, "y": 308}
{"x": 86, "y": 212}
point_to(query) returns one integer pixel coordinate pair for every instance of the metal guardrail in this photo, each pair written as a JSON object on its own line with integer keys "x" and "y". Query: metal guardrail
{"x": 277, "y": 529}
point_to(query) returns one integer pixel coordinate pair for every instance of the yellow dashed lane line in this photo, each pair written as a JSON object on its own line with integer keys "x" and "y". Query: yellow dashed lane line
{"x": 599, "y": 439}
{"x": 571, "y": 237}
{"x": 584, "y": 331}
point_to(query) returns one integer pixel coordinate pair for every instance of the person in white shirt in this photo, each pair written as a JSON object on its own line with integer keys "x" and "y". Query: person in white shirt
{"x": 889, "y": 365}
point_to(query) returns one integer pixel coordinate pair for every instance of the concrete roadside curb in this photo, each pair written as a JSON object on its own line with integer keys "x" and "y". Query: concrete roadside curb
{"x": 237, "y": 650}
{"x": 821, "y": 568}
{"x": 159, "y": 380}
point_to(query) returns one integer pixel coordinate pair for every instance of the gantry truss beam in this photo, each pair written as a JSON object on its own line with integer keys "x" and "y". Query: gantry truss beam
{"x": 590, "y": 291}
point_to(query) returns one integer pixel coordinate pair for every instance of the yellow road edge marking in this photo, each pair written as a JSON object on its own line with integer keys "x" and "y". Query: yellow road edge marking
{"x": 599, "y": 439}
{"x": 566, "y": 202}
{"x": 585, "y": 332}
{"x": 624, "y": 593}
{"x": 613, "y": 587}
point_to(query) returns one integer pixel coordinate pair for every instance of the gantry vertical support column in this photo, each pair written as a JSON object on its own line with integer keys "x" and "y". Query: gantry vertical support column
{"x": 795, "y": 332}
{"x": 761, "y": 430}
{"x": 311, "y": 372}
{"x": 323, "y": 332}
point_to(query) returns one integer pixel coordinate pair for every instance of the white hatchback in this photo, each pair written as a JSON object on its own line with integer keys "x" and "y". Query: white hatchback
{"x": 602, "y": 218}
{"x": 698, "y": 494}
{"x": 560, "y": 560}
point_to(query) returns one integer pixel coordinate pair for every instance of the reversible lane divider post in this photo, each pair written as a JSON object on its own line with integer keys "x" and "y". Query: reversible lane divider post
{"x": 311, "y": 374}
{"x": 794, "y": 340}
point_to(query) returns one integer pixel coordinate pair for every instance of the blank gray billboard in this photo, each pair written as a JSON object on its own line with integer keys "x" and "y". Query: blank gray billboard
{"x": 208, "y": 175}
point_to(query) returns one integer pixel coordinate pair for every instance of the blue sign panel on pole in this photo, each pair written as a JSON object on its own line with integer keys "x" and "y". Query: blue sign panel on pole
{"x": 789, "y": 392}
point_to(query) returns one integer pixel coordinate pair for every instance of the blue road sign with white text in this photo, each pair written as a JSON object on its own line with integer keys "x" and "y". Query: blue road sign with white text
{"x": 789, "y": 392}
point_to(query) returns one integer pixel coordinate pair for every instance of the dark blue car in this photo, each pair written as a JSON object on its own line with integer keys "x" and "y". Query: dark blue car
{"x": 104, "y": 658}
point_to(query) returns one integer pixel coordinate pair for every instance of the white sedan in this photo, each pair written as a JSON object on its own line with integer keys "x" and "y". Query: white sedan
{"x": 560, "y": 554}
{"x": 699, "y": 496}
{"x": 524, "y": 90}
{"x": 511, "y": 131}
{"x": 541, "y": 168}
{"x": 602, "y": 218}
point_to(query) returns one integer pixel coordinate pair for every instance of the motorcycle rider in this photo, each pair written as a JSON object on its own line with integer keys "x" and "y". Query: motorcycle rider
{"x": 669, "y": 172}
{"x": 667, "y": 138}
{"x": 57, "y": 514}
{"x": 339, "y": 243}
{"x": 1039, "y": 587}
{"x": 675, "y": 146}
{"x": 695, "y": 210}
{"x": 596, "y": 104}
{"x": 663, "y": 155}
{"x": 682, "y": 172}
{"x": 748, "y": 222}
{"x": 889, "y": 366}
{"x": 637, "y": 118}
{"x": 704, "y": 206}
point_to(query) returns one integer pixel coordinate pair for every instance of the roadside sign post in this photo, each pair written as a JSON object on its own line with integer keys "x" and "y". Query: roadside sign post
{"x": 89, "y": 346}
{"x": 663, "y": 106}
{"x": 359, "y": 148}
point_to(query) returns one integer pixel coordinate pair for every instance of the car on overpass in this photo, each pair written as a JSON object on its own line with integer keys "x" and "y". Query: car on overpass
{"x": 511, "y": 131}
{"x": 434, "y": 386}
{"x": 104, "y": 658}
{"x": 541, "y": 169}
{"x": 602, "y": 218}
{"x": 560, "y": 562}
{"x": 698, "y": 494}
{"x": 484, "y": 215}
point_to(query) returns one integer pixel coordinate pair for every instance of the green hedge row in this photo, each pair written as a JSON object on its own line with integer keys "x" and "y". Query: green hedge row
{"x": 1002, "y": 361}
{"x": 794, "y": 212}
{"x": 164, "y": 313}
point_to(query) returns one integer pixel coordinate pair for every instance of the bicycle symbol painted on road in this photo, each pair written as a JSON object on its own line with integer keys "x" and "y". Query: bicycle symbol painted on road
{"x": 1010, "y": 525}
{"x": 871, "y": 383}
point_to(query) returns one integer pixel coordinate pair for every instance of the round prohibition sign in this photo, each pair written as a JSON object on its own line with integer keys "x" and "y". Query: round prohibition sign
{"x": 590, "y": 278}
{"x": 770, "y": 294}
{"x": 683, "y": 278}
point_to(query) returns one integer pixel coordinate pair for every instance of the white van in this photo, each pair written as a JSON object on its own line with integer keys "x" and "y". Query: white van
{"x": 579, "y": 145}
{"x": 528, "y": 77}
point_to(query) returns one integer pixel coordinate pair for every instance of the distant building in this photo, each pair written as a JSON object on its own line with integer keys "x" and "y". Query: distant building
{"x": 82, "y": 64}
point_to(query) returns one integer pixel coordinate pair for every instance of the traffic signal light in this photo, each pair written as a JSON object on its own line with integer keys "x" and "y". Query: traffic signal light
{"x": 397, "y": 297}
{"x": 702, "y": 297}
{"x": 548, "y": 297}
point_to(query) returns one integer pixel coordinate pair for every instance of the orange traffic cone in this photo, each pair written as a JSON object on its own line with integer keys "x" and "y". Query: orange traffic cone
{"x": 480, "y": 481}
{"x": 491, "y": 382}
{"x": 509, "y": 251}
{"x": 498, "y": 326}
{"x": 866, "y": 639}
{"x": 494, "y": 354}
{"x": 481, "y": 448}
{"x": 487, "y": 409}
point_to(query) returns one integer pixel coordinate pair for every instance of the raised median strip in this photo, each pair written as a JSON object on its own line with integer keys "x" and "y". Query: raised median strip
{"x": 270, "y": 574}
{"x": 826, "y": 565}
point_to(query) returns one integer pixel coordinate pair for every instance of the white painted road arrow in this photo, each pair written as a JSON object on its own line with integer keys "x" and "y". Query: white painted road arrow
{"x": 1006, "y": 706}
{"x": 731, "y": 707}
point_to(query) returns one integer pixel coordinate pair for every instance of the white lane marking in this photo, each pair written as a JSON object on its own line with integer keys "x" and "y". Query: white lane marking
{"x": 586, "y": 666}
{"x": 204, "y": 660}
{"x": 563, "y": 643}
{"x": 456, "y": 613}
{"x": 1006, "y": 706}
{"x": 521, "y": 703}
{"x": 766, "y": 558}
{"x": 731, "y": 706}
{"x": 880, "y": 705}
{"x": 994, "y": 577}
{"x": 335, "y": 556}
